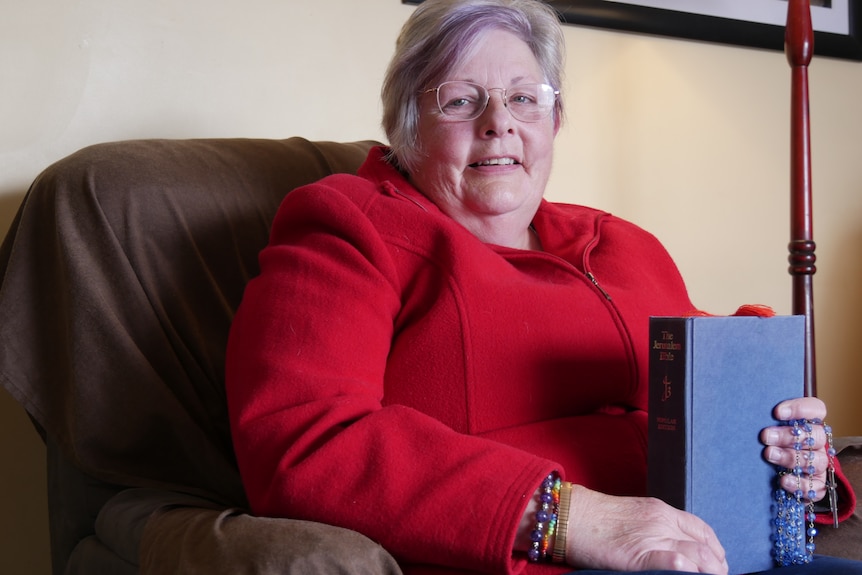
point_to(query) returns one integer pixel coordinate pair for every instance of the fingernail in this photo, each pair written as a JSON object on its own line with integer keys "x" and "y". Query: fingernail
{"x": 784, "y": 412}
{"x": 773, "y": 454}
{"x": 771, "y": 437}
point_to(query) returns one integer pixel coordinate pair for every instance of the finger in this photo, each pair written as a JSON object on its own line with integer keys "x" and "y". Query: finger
{"x": 702, "y": 535}
{"x": 812, "y": 462}
{"x": 686, "y": 557}
{"x": 785, "y": 436}
{"x": 800, "y": 408}
{"x": 806, "y": 486}
{"x": 661, "y": 560}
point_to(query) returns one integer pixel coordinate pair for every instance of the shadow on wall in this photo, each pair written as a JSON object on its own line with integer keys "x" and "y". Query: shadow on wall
{"x": 839, "y": 332}
{"x": 24, "y": 542}
{"x": 9, "y": 204}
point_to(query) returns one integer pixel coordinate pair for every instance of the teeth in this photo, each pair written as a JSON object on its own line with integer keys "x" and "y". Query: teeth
{"x": 497, "y": 162}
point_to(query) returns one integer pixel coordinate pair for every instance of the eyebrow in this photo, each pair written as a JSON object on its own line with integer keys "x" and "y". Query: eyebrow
{"x": 513, "y": 82}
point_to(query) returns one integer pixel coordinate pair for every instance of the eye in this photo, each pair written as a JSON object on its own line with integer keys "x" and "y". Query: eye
{"x": 453, "y": 103}
{"x": 460, "y": 100}
{"x": 522, "y": 98}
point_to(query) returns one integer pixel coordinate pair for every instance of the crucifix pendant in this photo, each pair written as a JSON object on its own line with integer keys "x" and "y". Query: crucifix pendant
{"x": 831, "y": 491}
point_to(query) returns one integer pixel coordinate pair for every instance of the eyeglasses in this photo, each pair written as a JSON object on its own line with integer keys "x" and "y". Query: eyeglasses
{"x": 463, "y": 101}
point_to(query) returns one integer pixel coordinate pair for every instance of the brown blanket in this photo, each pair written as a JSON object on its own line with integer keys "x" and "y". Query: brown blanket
{"x": 118, "y": 283}
{"x": 120, "y": 278}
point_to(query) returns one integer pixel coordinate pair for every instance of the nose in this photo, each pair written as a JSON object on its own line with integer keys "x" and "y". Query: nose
{"x": 496, "y": 118}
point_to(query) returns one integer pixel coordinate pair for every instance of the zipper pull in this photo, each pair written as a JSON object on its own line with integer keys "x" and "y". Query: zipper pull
{"x": 593, "y": 279}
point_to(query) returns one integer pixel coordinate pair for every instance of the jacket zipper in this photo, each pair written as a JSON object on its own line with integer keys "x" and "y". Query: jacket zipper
{"x": 596, "y": 283}
{"x": 625, "y": 334}
{"x": 586, "y": 260}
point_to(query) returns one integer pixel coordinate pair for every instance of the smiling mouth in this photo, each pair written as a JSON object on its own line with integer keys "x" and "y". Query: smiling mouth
{"x": 495, "y": 162}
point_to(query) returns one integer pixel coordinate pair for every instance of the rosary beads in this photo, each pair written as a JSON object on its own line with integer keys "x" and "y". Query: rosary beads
{"x": 793, "y": 542}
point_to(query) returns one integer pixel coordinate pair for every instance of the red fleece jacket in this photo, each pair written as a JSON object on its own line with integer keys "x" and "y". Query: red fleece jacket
{"x": 390, "y": 373}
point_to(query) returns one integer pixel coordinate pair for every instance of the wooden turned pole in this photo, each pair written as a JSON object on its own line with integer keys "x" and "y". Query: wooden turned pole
{"x": 799, "y": 47}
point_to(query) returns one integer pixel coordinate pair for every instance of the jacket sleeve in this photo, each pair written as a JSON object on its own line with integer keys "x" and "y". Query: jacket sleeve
{"x": 305, "y": 371}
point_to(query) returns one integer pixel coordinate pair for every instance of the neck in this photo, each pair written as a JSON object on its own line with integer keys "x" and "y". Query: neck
{"x": 522, "y": 237}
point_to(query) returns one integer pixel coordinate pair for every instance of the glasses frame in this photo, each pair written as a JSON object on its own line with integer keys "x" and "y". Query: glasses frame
{"x": 503, "y": 95}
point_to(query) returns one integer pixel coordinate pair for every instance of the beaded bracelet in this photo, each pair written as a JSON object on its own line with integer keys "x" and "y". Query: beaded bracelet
{"x": 793, "y": 542}
{"x": 546, "y": 519}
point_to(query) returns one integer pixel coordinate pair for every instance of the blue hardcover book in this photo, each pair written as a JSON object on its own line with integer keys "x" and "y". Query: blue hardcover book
{"x": 713, "y": 384}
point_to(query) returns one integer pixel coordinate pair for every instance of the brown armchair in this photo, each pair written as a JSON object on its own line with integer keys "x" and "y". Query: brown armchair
{"x": 118, "y": 282}
{"x": 120, "y": 277}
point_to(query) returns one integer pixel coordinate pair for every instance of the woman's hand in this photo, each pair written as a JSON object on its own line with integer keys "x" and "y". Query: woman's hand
{"x": 637, "y": 534}
{"x": 779, "y": 442}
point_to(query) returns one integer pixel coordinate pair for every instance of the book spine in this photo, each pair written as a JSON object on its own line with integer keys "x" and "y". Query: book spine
{"x": 667, "y": 475}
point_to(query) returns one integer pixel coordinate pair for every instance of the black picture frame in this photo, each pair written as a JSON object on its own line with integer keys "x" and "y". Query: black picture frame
{"x": 663, "y": 22}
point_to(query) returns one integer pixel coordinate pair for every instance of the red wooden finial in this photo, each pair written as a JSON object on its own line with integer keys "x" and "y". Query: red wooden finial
{"x": 799, "y": 34}
{"x": 799, "y": 47}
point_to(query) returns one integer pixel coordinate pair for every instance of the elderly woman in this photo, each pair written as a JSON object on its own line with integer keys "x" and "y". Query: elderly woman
{"x": 430, "y": 344}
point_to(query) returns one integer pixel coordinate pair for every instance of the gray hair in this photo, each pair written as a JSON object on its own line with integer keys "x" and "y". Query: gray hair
{"x": 438, "y": 37}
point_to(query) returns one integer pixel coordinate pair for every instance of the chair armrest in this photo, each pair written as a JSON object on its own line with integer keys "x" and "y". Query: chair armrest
{"x": 846, "y": 541}
{"x": 174, "y": 533}
{"x": 122, "y": 520}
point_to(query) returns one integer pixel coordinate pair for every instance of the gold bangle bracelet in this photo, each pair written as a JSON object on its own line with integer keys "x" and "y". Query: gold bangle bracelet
{"x": 559, "y": 555}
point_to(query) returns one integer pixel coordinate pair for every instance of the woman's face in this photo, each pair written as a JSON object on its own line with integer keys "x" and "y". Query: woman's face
{"x": 491, "y": 171}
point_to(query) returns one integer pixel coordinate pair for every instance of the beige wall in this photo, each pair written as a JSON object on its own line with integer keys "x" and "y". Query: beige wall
{"x": 687, "y": 139}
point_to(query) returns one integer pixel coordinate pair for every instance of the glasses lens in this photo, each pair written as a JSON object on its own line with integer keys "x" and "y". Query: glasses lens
{"x": 530, "y": 102}
{"x": 467, "y": 101}
{"x": 461, "y": 100}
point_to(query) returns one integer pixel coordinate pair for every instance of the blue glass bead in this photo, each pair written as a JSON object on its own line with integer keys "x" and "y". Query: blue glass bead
{"x": 542, "y": 516}
{"x": 811, "y": 494}
{"x": 811, "y": 470}
{"x": 812, "y": 531}
{"x": 533, "y": 555}
{"x": 546, "y": 498}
